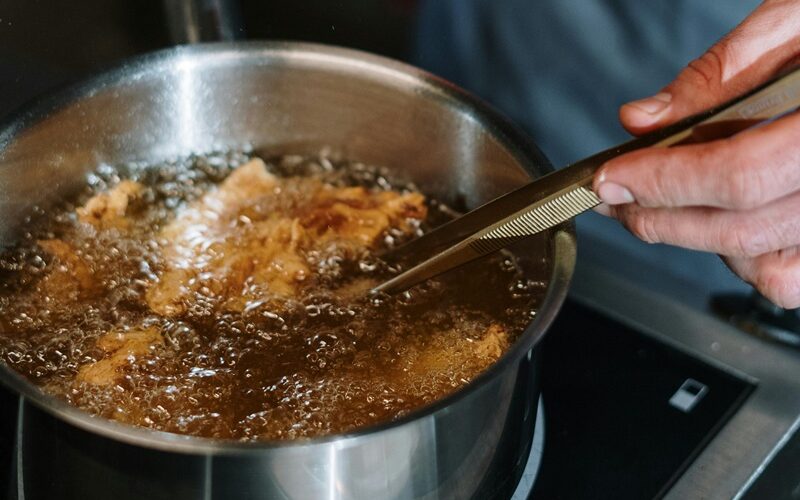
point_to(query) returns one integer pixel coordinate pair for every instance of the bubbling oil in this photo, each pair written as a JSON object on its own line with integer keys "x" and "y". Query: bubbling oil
{"x": 322, "y": 362}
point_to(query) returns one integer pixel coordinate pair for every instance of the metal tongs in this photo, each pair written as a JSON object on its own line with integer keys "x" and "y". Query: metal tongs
{"x": 563, "y": 194}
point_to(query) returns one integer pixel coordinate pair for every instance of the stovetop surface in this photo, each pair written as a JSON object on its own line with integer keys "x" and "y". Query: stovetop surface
{"x": 625, "y": 414}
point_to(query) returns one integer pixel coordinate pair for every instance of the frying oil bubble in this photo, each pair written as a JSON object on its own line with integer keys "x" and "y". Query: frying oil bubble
{"x": 329, "y": 360}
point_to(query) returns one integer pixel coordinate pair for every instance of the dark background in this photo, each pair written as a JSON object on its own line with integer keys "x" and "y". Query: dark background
{"x": 48, "y": 43}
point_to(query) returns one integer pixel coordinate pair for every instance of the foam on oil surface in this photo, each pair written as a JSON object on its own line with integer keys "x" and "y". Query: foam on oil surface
{"x": 317, "y": 364}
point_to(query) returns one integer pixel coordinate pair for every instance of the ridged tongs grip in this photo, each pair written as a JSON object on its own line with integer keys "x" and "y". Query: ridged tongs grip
{"x": 565, "y": 193}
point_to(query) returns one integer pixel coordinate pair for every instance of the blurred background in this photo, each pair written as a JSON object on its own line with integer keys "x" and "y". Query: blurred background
{"x": 47, "y": 43}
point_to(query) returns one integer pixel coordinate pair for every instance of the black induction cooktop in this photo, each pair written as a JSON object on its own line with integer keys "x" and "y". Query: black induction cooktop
{"x": 625, "y": 414}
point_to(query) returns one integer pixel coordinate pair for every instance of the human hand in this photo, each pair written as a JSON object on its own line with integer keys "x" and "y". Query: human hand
{"x": 737, "y": 197}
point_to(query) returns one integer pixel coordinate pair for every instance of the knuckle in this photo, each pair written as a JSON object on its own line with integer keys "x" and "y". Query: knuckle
{"x": 742, "y": 187}
{"x": 643, "y": 226}
{"x": 743, "y": 238}
{"x": 659, "y": 189}
{"x": 709, "y": 67}
{"x": 779, "y": 287}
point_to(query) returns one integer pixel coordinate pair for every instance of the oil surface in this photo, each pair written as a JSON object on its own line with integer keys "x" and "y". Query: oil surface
{"x": 320, "y": 357}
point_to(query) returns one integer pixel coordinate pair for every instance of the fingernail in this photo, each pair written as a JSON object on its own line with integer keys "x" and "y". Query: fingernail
{"x": 614, "y": 194}
{"x": 653, "y": 105}
{"x": 603, "y": 209}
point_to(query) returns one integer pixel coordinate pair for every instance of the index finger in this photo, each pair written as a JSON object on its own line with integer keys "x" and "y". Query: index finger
{"x": 747, "y": 170}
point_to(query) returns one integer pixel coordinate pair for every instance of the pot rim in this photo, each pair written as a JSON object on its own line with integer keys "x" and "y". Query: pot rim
{"x": 519, "y": 145}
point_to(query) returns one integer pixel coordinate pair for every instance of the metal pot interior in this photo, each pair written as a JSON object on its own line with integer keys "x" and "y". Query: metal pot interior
{"x": 273, "y": 98}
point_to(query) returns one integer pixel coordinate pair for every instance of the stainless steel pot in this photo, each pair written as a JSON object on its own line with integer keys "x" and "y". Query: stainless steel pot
{"x": 280, "y": 97}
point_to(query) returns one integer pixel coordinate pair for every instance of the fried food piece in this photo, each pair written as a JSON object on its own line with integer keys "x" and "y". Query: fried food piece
{"x": 357, "y": 216}
{"x": 71, "y": 275}
{"x": 122, "y": 349}
{"x": 493, "y": 344}
{"x": 109, "y": 209}
{"x": 274, "y": 252}
{"x": 213, "y": 217}
{"x": 226, "y": 246}
{"x": 208, "y": 247}
{"x": 483, "y": 352}
{"x": 167, "y": 295}
{"x": 244, "y": 185}
{"x": 263, "y": 262}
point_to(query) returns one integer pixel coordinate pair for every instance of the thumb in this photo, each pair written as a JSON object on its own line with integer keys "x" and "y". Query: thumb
{"x": 767, "y": 40}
